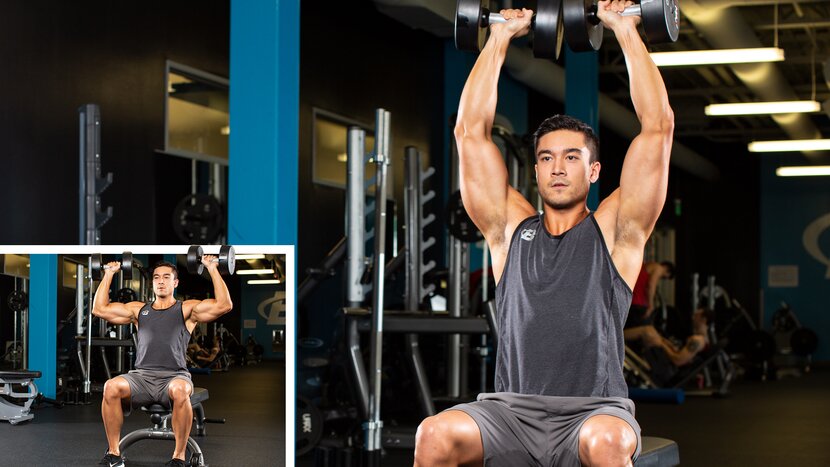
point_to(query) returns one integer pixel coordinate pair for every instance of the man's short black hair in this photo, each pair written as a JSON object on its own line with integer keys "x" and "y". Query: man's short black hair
{"x": 566, "y": 122}
{"x": 168, "y": 264}
{"x": 669, "y": 267}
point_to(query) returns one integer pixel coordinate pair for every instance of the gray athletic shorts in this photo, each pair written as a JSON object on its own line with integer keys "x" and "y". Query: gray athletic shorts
{"x": 519, "y": 429}
{"x": 150, "y": 387}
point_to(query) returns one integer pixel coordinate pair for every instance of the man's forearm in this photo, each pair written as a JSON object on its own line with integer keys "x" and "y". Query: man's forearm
{"x": 220, "y": 289}
{"x": 477, "y": 108}
{"x": 648, "y": 91}
{"x": 102, "y": 294}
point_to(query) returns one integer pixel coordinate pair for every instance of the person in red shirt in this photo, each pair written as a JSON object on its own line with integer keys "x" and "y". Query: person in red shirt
{"x": 641, "y": 312}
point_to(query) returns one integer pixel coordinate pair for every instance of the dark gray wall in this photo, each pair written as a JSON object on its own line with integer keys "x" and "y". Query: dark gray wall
{"x": 60, "y": 55}
{"x": 354, "y": 60}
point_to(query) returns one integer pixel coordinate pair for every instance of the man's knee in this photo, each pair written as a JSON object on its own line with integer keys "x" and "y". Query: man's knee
{"x": 449, "y": 436}
{"x": 606, "y": 440}
{"x": 116, "y": 388}
{"x": 432, "y": 430}
{"x": 179, "y": 391}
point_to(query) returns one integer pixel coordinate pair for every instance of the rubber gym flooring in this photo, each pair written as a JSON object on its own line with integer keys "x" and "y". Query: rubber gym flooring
{"x": 251, "y": 399}
{"x": 772, "y": 423}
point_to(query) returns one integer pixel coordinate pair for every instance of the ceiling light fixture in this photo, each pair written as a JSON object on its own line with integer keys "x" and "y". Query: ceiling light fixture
{"x": 263, "y": 281}
{"x": 718, "y": 57}
{"x": 793, "y": 145}
{"x": 254, "y": 271}
{"x": 804, "y": 171}
{"x": 250, "y": 256}
{"x": 758, "y": 108}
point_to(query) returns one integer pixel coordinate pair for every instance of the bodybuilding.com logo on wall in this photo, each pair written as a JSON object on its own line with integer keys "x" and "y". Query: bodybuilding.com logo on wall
{"x": 811, "y": 238}
{"x": 272, "y": 309}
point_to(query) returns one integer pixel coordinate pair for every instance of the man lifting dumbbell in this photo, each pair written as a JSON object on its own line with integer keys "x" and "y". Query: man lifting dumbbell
{"x": 564, "y": 277}
{"x": 164, "y": 327}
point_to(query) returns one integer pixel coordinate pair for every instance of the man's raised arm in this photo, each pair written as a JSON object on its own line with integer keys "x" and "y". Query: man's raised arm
{"x": 483, "y": 174}
{"x": 205, "y": 311}
{"x": 645, "y": 171}
{"x": 115, "y": 313}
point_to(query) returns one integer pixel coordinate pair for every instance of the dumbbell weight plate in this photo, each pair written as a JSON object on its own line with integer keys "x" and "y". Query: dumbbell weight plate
{"x": 548, "y": 30}
{"x": 469, "y": 35}
{"x": 803, "y": 342}
{"x": 227, "y": 260}
{"x": 582, "y": 34}
{"x": 308, "y": 427}
{"x": 194, "y": 260}
{"x": 18, "y": 301}
{"x": 198, "y": 218}
{"x": 127, "y": 265}
{"x": 126, "y": 295}
{"x": 96, "y": 266}
{"x": 661, "y": 20}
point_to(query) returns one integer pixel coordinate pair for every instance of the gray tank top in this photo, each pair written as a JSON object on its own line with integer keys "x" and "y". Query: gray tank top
{"x": 165, "y": 332}
{"x": 561, "y": 309}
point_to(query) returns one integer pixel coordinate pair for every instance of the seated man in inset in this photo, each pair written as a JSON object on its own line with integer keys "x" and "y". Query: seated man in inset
{"x": 201, "y": 356}
{"x": 679, "y": 355}
{"x": 164, "y": 329}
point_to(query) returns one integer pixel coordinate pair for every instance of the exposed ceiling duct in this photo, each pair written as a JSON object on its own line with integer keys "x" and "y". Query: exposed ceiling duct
{"x": 724, "y": 28}
{"x": 545, "y": 77}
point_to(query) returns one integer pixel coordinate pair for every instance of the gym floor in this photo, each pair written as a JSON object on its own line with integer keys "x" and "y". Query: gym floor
{"x": 780, "y": 422}
{"x": 251, "y": 400}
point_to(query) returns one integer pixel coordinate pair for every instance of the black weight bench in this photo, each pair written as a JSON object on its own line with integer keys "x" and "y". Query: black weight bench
{"x": 658, "y": 452}
{"x": 9, "y": 410}
{"x": 161, "y": 417}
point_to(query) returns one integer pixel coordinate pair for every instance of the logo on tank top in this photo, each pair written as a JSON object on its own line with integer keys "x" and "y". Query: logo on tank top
{"x": 528, "y": 234}
{"x": 145, "y": 312}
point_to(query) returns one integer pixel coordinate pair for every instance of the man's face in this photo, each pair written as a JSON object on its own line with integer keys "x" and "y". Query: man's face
{"x": 164, "y": 281}
{"x": 564, "y": 172}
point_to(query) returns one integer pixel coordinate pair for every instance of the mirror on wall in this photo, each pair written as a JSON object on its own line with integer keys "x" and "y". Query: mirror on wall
{"x": 197, "y": 120}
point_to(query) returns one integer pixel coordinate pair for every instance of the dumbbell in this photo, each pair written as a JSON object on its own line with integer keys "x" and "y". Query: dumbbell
{"x": 473, "y": 18}
{"x": 97, "y": 266}
{"x": 583, "y": 29}
{"x": 226, "y": 260}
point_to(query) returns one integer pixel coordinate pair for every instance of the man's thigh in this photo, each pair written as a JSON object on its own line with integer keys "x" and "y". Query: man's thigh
{"x": 150, "y": 387}
{"x": 462, "y": 429}
{"x": 507, "y": 438}
{"x": 521, "y": 430}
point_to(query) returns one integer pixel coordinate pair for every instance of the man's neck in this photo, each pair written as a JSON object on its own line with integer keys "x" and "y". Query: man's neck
{"x": 559, "y": 221}
{"x": 165, "y": 302}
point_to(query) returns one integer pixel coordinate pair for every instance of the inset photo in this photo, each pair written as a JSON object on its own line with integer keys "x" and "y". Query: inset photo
{"x": 146, "y": 355}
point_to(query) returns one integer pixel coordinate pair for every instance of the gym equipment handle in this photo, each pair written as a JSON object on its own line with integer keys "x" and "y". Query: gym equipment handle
{"x": 489, "y": 18}
{"x": 633, "y": 10}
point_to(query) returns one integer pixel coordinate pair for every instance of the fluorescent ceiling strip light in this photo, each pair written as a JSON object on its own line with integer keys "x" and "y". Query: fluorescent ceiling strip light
{"x": 264, "y": 281}
{"x": 718, "y": 57}
{"x": 250, "y": 256}
{"x": 757, "y": 108}
{"x": 790, "y": 145}
{"x": 807, "y": 171}
{"x": 254, "y": 271}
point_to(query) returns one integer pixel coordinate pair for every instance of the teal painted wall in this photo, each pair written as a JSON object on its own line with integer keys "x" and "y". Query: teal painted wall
{"x": 791, "y": 206}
